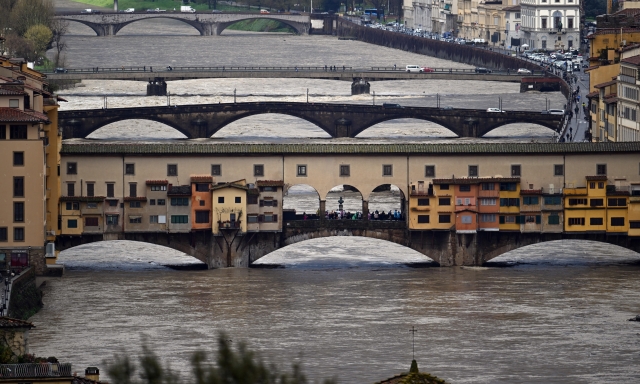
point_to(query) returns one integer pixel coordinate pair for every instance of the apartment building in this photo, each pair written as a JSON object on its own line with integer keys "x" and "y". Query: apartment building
{"x": 628, "y": 96}
{"x": 550, "y": 24}
{"x": 29, "y": 143}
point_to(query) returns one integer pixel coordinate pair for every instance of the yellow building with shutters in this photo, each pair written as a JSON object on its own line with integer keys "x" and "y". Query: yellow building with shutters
{"x": 509, "y": 218}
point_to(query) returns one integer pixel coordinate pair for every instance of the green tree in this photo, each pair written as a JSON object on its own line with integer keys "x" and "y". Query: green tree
{"x": 40, "y": 36}
{"x": 240, "y": 366}
{"x": 27, "y": 13}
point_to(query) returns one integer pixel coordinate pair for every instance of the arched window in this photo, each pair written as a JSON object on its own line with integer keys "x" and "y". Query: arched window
{"x": 557, "y": 20}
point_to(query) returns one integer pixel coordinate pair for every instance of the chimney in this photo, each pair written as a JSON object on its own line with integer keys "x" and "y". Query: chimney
{"x": 92, "y": 373}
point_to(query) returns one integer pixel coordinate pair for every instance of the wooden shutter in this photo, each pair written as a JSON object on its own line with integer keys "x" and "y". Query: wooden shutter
{"x": 538, "y": 219}
{"x": 275, "y": 218}
{"x": 262, "y": 203}
{"x": 275, "y": 203}
{"x": 260, "y": 217}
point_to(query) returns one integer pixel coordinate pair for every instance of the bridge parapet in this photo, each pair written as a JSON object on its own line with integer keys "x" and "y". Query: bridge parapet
{"x": 345, "y": 224}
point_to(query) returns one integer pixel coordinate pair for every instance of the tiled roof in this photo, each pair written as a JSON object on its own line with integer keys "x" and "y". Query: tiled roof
{"x": 197, "y": 148}
{"x": 179, "y": 190}
{"x": 610, "y": 99}
{"x": 8, "y": 322}
{"x": 201, "y": 179}
{"x": 157, "y": 182}
{"x": 593, "y": 94}
{"x": 11, "y": 115}
{"x": 606, "y": 84}
{"x": 531, "y": 191}
{"x": 4, "y": 91}
{"x": 635, "y": 60}
{"x": 597, "y": 178}
{"x": 476, "y": 180}
{"x": 629, "y": 47}
{"x": 270, "y": 183}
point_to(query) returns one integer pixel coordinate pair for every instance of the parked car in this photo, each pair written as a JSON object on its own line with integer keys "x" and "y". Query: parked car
{"x": 482, "y": 70}
{"x": 129, "y": 10}
{"x": 556, "y": 111}
{"x": 427, "y": 69}
{"x": 60, "y": 70}
{"x": 494, "y": 110}
{"x": 413, "y": 68}
{"x": 264, "y": 11}
{"x": 523, "y": 71}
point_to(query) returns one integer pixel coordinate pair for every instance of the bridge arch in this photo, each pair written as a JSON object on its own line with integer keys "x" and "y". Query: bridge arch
{"x": 295, "y": 26}
{"x": 303, "y": 198}
{"x": 406, "y": 127}
{"x": 385, "y": 198}
{"x": 490, "y": 129}
{"x": 306, "y": 128}
{"x": 384, "y": 119}
{"x": 71, "y": 129}
{"x": 145, "y": 129}
{"x": 97, "y": 28}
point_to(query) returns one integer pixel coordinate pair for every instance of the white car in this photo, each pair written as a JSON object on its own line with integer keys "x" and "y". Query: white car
{"x": 523, "y": 71}
{"x": 494, "y": 110}
{"x": 414, "y": 68}
{"x": 129, "y": 10}
{"x": 556, "y": 111}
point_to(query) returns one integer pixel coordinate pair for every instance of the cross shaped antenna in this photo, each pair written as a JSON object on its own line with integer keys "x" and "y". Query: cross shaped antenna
{"x": 413, "y": 331}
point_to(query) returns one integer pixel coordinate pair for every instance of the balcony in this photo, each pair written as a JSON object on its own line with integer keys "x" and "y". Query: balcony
{"x": 229, "y": 224}
{"x": 626, "y": 79}
{"x": 32, "y": 371}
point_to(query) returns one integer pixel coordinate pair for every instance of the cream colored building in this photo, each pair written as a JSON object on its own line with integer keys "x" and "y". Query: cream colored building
{"x": 484, "y": 19}
{"x": 29, "y": 142}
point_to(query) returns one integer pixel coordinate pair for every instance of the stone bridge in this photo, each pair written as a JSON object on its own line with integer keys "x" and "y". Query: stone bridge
{"x": 446, "y": 248}
{"x": 338, "y": 120}
{"x": 208, "y": 24}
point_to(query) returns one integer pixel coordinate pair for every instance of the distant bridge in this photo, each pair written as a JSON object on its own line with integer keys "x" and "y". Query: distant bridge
{"x": 208, "y": 24}
{"x": 338, "y": 120}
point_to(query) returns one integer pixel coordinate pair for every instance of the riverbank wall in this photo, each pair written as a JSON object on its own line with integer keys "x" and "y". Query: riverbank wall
{"x": 26, "y": 297}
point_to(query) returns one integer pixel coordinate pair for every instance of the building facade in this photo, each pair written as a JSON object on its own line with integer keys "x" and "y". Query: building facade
{"x": 551, "y": 24}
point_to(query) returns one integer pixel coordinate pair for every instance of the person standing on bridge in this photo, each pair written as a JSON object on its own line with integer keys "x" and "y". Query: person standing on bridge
{"x": 394, "y": 67}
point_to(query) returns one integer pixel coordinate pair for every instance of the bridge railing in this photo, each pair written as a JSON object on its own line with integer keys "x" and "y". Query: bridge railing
{"x": 458, "y": 70}
{"x": 36, "y": 370}
{"x": 347, "y": 224}
{"x": 203, "y": 69}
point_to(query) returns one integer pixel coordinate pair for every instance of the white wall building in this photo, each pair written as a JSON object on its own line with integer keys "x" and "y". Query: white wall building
{"x": 550, "y": 24}
{"x": 513, "y": 22}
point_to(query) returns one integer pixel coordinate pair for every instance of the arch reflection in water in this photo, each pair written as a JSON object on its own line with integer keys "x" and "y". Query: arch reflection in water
{"x": 124, "y": 255}
{"x": 344, "y": 252}
{"x": 406, "y": 128}
{"x": 136, "y": 129}
{"x": 567, "y": 252}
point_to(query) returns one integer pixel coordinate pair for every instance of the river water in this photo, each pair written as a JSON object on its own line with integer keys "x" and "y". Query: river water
{"x": 342, "y": 306}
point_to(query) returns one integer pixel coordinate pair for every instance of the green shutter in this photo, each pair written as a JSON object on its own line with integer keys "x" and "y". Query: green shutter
{"x": 538, "y": 219}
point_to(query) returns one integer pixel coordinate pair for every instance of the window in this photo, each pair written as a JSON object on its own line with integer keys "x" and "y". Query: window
{"x": 444, "y": 201}
{"x": 270, "y": 218}
{"x": 345, "y": 170}
{"x": 172, "y": 169}
{"x": 18, "y": 159}
{"x": 238, "y": 199}
{"x": 601, "y": 169}
{"x": 216, "y": 170}
{"x": 202, "y": 203}
{"x": 252, "y": 218}
{"x": 592, "y": 185}
{"x": 423, "y": 202}
{"x": 617, "y": 221}
{"x": 3, "y": 132}
{"x": 179, "y": 201}
{"x": 444, "y": 187}
{"x": 91, "y": 222}
{"x": 508, "y": 187}
{"x": 595, "y": 221}
{"x": 153, "y": 219}
{"x": 158, "y": 188}
{"x": 134, "y": 204}
{"x": 544, "y": 20}
{"x": 570, "y": 22}
{"x": 577, "y": 201}
{"x": 72, "y": 206}
{"x": 129, "y": 169}
{"x": 558, "y": 170}
{"x": 466, "y": 219}
{"x": 488, "y": 201}
{"x": 18, "y": 186}
{"x": 111, "y": 219}
{"x": 4, "y": 235}
{"x": 530, "y": 200}
{"x": 152, "y": 201}
{"x": 18, "y": 212}
{"x": 617, "y": 202}
{"x": 18, "y": 234}
{"x": 269, "y": 203}
{"x": 600, "y": 185}
{"x": 110, "y": 189}
{"x": 596, "y": 202}
{"x": 430, "y": 171}
{"x": 488, "y": 218}
{"x": 465, "y": 188}
{"x": 162, "y": 202}
{"x": 72, "y": 223}
{"x": 220, "y": 199}
{"x": 423, "y": 219}
{"x": 258, "y": 170}
{"x": 18, "y": 132}
{"x": 302, "y": 170}
{"x": 387, "y": 170}
{"x": 92, "y": 205}
{"x": 252, "y": 199}
{"x": 515, "y": 170}
{"x": 473, "y": 171}
{"x": 113, "y": 203}
{"x": 269, "y": 189}
{"x": 632, "y": 225}
{"x": 90, "y": 189}
{"x": 553, "y": 219}
{"x": 576, "y": 221}
{"x": 202, "y": 187}
{"x": 133, "y": 190}
{"x": 135, "y": 219}
{"x": 552, "y": 200}
{"x": 202, "y": 217}
{"x": 72, "y": 168}
{"x": 444, "y": 219}
{"x": 71, "y": 189}
{"x": 14, "y": 103}
{"x": 488, "y": 186}
{"x": 509, "y": 202}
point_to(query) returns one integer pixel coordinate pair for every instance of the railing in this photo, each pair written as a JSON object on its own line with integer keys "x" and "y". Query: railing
{"x": 35, "y": 370}
{"x": 347, "y": 224}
